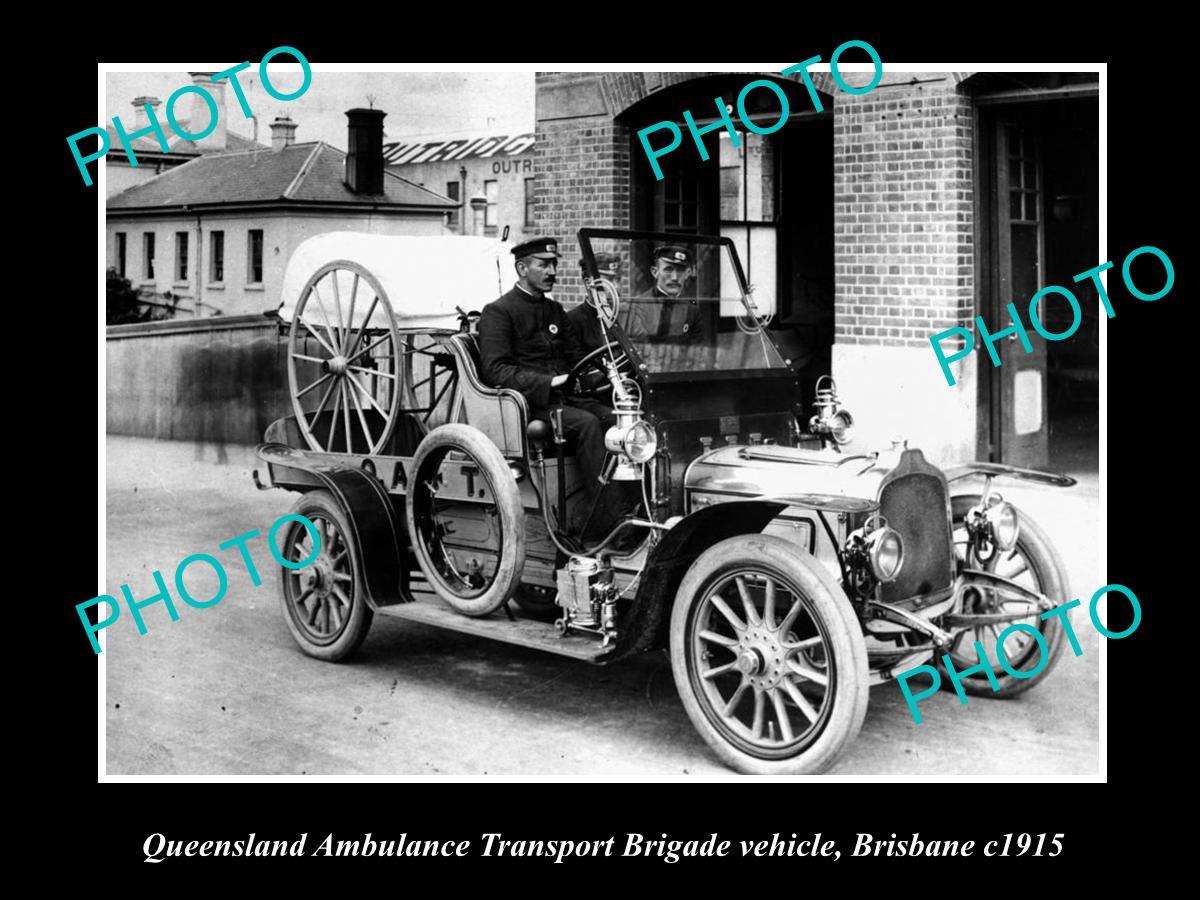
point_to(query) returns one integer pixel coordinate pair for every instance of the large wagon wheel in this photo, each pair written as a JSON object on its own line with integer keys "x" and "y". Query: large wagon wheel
{"x": 344, "y": 346}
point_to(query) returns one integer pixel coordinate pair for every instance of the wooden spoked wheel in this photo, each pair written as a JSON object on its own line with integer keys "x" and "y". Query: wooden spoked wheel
{"x": 324, "y": 602}
{"x": 1033, "y": 564}
{"x": 343, "y": 361}
{"x": 768, "y": 656}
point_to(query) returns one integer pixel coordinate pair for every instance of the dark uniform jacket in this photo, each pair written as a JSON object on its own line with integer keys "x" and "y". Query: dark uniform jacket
{"x": 654, "y": 316}
{"x": 524, "y": 341}
{"x": 587, "y": 326}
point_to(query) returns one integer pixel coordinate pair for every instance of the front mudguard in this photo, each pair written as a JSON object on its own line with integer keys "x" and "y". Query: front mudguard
{"x": 644, "y": 625}
{"x": 999, "y": 470}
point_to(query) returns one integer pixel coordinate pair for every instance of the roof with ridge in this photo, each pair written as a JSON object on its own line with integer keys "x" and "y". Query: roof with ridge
{"x": 305, "y": 173}
{"x": 179, "y": 146}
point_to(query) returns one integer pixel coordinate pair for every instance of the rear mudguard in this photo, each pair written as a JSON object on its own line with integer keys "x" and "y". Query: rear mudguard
{"x": 376, "y": 528}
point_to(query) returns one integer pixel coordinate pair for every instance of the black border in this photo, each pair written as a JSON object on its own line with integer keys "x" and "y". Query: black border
{"x": 1148, "y": 461}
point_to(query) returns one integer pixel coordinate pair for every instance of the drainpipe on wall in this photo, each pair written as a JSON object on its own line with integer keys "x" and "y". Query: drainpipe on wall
{"x": 462, "y": 200}
{"x": 199, "y": 264}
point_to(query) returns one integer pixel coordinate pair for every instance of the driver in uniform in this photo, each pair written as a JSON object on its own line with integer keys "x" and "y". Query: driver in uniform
{"x": 527, "y": 343}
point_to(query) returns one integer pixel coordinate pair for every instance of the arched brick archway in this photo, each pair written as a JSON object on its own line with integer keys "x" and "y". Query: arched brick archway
{"x": 901, "y": 167}
{"x": 584, "y": 149}
{"x": 624, "y": 90}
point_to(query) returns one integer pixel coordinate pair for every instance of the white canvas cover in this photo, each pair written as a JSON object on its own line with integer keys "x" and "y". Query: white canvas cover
{"x": 424, "y": 277}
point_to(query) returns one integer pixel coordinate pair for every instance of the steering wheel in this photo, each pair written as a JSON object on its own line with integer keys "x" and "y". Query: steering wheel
{"x": 593, "y": 360}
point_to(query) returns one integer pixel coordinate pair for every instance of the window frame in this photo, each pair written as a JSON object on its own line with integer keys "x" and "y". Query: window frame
{"x": 530, "y": 195}
{"x": 454, "y": 192}
{"x": 148, "y": 255}
{"x": 216, "y": 260}
{"x": 181, "y": 256}
{"x": 250, "y": 233}
{"x": 491, "y": 209}
{"x": 674, "y": 193}
{"x": 122, "y": 247}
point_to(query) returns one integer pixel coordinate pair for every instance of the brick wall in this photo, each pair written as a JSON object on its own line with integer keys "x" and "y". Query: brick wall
{"x": 903, "y": 229}
{"x": 583, "y": 172}
{"x": 903, "y": 202}
{"x": 583, "y": 163}
{"x": 903, "y": 191}
{"x": 583, "y": 159}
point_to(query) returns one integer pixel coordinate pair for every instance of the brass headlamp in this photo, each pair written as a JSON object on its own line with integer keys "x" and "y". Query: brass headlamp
{"x": 873, "y": 554}
{"x": 632, "y": 440}
{"x": 834, "y": 425}
{"x": 992, "y": 525}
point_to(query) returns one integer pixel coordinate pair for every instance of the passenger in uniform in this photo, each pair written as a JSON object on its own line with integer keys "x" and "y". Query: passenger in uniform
{"x": 584, "y": 316}
{"x": 587, "y": 327}
{"x": 592, "y": 335}
{"x": 527, "y": 343}
{"x": 662, "y": 313}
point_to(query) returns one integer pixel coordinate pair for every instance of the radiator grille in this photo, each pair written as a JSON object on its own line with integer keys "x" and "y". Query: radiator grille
{"x": 915, "y": 505}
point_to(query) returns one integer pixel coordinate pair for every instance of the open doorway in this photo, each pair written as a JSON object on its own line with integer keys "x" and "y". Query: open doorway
{"x": 1039, "y": 226}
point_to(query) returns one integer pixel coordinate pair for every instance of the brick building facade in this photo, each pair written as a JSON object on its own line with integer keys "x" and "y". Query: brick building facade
{"x": 904, "y": 257}
{"x": 880, "y": 220}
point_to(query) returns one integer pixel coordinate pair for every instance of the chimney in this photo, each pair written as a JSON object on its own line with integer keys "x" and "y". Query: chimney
{"x": 200, "y": 115}
{"x": 364, "y": 161}
{"x": 141, "y": 120}
{"x": 283, "y": 132}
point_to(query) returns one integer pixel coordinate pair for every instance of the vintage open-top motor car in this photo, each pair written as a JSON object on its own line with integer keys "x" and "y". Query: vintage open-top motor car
{"x": 785, "y": 575}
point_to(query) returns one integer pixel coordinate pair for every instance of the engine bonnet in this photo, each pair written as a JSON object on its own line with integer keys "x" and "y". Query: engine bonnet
{"x": 790, "y": 473}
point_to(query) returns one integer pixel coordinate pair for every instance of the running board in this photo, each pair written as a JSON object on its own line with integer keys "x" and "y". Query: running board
{"x": 524, "y": 632}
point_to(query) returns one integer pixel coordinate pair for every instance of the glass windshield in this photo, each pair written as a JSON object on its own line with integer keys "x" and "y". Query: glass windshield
{"x": 681, "y": 304}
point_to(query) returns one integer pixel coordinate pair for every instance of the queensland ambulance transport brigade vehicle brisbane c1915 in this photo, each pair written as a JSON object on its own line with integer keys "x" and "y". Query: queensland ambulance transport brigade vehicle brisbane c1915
{"x": 784, "y": 574}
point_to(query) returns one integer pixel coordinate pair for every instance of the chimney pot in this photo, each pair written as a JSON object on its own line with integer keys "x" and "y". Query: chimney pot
{"x": 364, "y": 159}
{"x": 199, "y": 115}
{"x": 283, "y": 132}
{"x": 141, "y": 120}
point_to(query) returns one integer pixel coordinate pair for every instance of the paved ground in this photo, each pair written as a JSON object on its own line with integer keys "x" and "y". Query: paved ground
{"x": 226, "y": 691}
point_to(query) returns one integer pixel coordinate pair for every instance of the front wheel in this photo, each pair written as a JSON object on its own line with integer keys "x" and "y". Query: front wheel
{"x": 768, "y": 657}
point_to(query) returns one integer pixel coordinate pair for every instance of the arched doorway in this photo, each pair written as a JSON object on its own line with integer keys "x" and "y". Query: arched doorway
{"x": 773, "y": 195}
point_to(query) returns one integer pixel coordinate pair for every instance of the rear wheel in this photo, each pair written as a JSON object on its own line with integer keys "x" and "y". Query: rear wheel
{"x": 324, "y": 603}
{"x": 768, "y": 657}
{"x": 1034, "y": 564}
